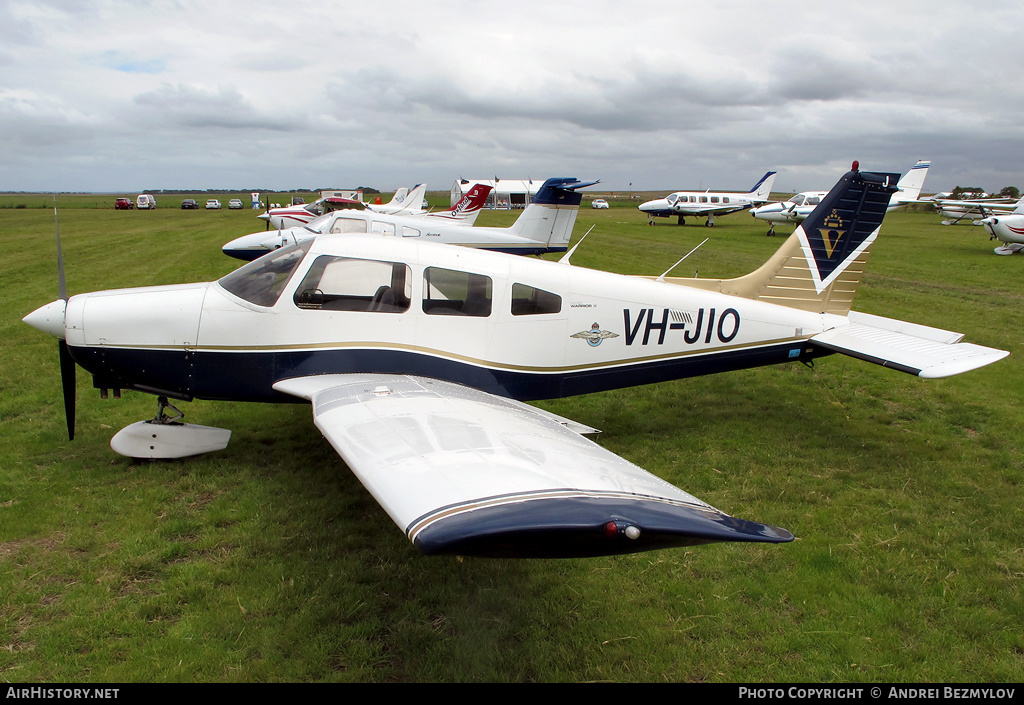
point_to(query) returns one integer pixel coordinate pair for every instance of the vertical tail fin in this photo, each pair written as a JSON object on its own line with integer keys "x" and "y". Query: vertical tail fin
{"x": 550, "y": 217}
{"x": 763, "y": 189}
{"x": 820, "y": 265}
{"x": 410, "y": 202}
{"x": 912, "y": 182}
{"x": 468, "y": 208}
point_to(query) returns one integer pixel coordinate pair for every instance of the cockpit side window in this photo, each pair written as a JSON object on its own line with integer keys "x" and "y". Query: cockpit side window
{"x": 453, "y": 293}
{"x": 345, "y": 284}
{"x": 261, "y": 281}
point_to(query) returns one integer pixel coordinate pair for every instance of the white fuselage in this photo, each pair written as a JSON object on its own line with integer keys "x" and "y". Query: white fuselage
{"x": 1007, "y": 228}
{"x": 547, "y": 330}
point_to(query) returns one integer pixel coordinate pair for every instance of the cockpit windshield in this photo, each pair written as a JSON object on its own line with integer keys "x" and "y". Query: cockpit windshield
{"x": 797, "y": 200}
{"x": 261, "y": 282}
{"x": 672, "y": 198}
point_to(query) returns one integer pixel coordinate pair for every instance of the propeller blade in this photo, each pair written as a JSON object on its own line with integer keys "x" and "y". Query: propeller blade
{"x": 67, "y": 381}
{"x": 67, "y": 364}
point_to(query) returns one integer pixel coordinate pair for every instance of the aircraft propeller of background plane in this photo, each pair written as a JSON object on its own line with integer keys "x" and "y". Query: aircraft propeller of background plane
{"x": 417, "y": 359}
{"x": 797, "y": 208}
{"x": 707, "y": 204}
{"x": 544, "y": 226}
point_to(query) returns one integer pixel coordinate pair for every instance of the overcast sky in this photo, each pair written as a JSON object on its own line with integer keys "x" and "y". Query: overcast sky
{"x": 122, "y": 96}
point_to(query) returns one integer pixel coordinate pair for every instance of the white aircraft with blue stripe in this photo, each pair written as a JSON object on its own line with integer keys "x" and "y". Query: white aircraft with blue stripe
{"x": 801, "y": 205}
{"x": 418, "y": 359}
{"x": 708, "y": 204}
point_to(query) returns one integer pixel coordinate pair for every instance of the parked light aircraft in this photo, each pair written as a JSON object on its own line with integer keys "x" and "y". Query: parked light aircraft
{"x": 973, "y": 212}
{"x": 1008, "y": 228}
{"x": 707, "y": 204}
{"x": 544, "y": 226}
{"x": 797, "y": 208}
{"x": 417, "y": 359}
{"x": 404, "y": 201}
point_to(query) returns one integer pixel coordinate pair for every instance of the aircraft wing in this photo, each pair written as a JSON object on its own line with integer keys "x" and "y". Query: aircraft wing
{"x": 470, "y": 473}
{"x": 908, "y": 347}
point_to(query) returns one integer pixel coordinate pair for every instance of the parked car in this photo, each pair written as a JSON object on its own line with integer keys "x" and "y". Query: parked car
{"x": 123, "y": 204}
{"x": 599, "y": 203}
{"x": 145, "y": 202}
{"x": 235, "y": 204}
{"x": 213, "y": 204}
{"x": 189, "y": 204}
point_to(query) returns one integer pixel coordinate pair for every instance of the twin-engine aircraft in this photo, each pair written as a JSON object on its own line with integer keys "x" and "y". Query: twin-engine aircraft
{"x": 797, "y": 208}
{"x": 707, "y": 204}
{"x": 403, "y": 202}
{"x": 544, "y": 226}
{"x": 417, "y": 359}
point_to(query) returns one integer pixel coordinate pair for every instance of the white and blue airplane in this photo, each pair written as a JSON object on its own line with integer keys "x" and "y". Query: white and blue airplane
{"x": 797, "y": 208}
{"x": 544, "y": 226}
{"x": 418, "y": 359}
{"x": 1008, "y": 228}
{"x": 707, "y": 204}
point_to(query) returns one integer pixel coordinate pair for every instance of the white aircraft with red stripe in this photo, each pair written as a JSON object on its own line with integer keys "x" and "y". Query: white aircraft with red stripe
{"x": 418, "y": 359}
{"x": 1008, "y": 228}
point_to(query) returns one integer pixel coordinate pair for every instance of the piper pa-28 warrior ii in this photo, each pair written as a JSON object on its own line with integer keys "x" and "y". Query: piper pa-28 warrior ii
{"x": 417, "y": 359}
{"x": 544, "y": 226}
{"x": 797, "y": 208}
{"x": 707, "y": 204}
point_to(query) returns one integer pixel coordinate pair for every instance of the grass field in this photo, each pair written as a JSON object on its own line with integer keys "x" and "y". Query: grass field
{"x": 268, "y": 561}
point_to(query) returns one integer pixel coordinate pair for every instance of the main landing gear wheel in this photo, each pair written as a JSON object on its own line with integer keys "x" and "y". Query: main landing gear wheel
{"x": 166, "y": 436}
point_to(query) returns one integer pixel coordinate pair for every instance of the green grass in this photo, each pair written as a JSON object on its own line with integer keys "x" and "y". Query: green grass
{"x": 269, "y": 562}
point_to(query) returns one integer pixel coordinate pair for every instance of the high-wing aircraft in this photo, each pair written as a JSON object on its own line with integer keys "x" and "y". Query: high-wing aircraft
{"x": 1008, "y": 228}
{"x": 404, "y": 201}
{"x": 973, "y": 212}
{"x": 797, "y": 208}
{"x": 707, "y": 204}
{"x": 544, "y": 226}
{"x": 417, "y": 359}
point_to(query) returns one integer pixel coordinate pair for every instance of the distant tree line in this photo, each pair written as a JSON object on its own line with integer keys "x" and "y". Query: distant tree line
{"x": 976, "y": 191}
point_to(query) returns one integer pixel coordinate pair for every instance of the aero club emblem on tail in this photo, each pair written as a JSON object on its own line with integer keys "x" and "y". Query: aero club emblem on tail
{"x": 845, "y": 223}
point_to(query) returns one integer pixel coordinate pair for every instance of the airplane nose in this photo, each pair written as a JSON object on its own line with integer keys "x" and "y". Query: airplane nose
{"x": 264, "y": 216}
{"x": 49, "y": 318}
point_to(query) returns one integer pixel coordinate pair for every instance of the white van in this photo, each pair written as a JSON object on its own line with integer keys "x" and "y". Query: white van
{"x": 145, "y": 202}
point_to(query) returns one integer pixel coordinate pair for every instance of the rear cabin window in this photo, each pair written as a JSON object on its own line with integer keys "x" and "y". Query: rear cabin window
{"x": 447, "y": 292}
{"x": 530, "y": 301}
{"x": 349, "y": 225}
{"x": 345, "y": 284}
{"x": 261, "y": 281}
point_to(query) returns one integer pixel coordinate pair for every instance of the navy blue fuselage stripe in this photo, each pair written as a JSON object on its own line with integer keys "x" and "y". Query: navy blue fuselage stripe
{"x": 250, "y": 376}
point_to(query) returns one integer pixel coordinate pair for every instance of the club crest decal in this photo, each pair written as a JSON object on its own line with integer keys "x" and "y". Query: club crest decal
{"x": 595, "y": 335}
{"x": 832, "y": 231}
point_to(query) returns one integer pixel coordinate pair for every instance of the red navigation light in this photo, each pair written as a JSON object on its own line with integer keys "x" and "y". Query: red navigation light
{"x": 856, "y": 165}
